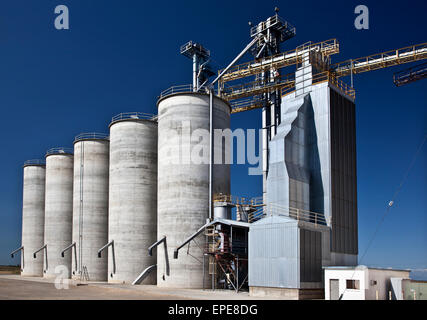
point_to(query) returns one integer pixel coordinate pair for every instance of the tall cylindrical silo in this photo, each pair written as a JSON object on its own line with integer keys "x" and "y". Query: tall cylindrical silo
{"x": 58, "y": 211}
{"x": 90, "y": 206}
{"x": 33, "y": 217}
{"x": 132, "y": 219}
{"x": 183, "y": 181}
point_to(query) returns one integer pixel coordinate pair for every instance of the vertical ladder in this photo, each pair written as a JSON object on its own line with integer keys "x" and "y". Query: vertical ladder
{"x": 84, "y": 275}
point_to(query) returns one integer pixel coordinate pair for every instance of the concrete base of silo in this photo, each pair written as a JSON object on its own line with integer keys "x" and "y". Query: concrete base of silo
{"x": 32, "y": 275}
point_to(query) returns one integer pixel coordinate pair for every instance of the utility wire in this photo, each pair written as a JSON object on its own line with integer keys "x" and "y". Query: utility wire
{"x": 390, "y": 204}
{"x": 395, "y": 195}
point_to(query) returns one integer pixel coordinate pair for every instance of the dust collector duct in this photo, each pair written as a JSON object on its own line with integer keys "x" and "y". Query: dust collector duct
{"x": 183, "y": 185}
{"x": 133, "y": 196}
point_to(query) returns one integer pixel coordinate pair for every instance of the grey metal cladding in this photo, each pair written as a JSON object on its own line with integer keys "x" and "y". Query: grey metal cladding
{"x": 343, "y": 168}
{"x": 310, "y": 255}
{"x": 273, "y": 253}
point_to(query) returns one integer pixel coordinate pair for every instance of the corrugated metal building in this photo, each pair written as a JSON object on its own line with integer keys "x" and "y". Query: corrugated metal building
{"x": 285, "y": 253}
{"x": 311, "y": 168}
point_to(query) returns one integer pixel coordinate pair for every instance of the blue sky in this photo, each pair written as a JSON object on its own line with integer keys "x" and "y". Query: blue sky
{"x": 119, "y": 55}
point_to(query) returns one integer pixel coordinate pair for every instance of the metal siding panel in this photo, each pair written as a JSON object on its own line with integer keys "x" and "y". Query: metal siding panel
{"x": 302, "y": 256}
{"x": 309, "y": 268}
{"x": 319, "y": 255}
{"x": 273, "y": 255}
{"x": 343, "y": 169}
{"x": 313, "y": 255}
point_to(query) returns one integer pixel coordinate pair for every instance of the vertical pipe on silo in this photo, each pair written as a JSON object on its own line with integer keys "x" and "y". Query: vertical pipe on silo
{"x": 90, "y": 205}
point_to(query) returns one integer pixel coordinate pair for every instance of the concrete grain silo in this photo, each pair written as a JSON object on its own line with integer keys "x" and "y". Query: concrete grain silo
{"x": 90, "y": 205}
{"x": 58, "y": 210}
{"x": 183, "y": 181}
{"x": 132, "y": 215}
{"x": 33, "y": 217}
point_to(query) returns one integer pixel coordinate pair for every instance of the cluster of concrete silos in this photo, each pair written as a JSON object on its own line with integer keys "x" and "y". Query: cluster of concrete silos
{"x": 96, "y": 209}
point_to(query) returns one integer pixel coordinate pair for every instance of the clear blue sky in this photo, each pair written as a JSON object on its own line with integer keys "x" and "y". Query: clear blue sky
{"x": 119, "y": 55}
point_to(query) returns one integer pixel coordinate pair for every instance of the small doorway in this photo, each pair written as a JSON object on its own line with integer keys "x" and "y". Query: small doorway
{"x": 334, "y": 289}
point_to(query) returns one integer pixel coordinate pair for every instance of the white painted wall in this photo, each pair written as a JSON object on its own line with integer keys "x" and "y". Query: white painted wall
{"x": 383, "y": 285}
{"x": 342, "y": 275}
{"x": 367, "y": 290}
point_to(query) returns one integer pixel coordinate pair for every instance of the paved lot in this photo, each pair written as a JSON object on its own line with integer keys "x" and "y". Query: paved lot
{"x": 17, "y": 287}
{"x": 11, "y": 289}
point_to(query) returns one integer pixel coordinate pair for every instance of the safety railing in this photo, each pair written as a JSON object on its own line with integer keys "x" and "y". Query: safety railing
{"x": 294, "y": 213}
{"x": 133, "y": 115}
{"x": 323, "y": 77}
{"x": 411, "y": 74}
{"x": 257, "y": 215}
{"x": 187, "y": 48}
{"x": 342, "y": 86}
{"x": 280, "y": 60}
{"x": 35, "y": 162}
{"x": 271, "y": 22}
{"x": 185, "y": 88}
{"x": 215, "y": 246}
{"x": 176, "y": 89}
{"x": 246, "y": 104}
{"x": 256, "y": 201}
{"x": 381, "y": 60}
{"x": 327, "y": 47}
{"x": 59, "y": 150}
{"x": 91, "y": 136}
{"x": 255, "y": 87}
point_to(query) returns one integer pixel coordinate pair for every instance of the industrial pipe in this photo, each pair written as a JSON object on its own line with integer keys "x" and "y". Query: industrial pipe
{"x": 254, "y": 40}
{"x": 154, "y": 245}
{"x": 144, "y": 274}
{"x": 111, "y": 243}
{"x": 175, "y": 253}
{"x": 15, "y": 251}
{"x": 211, "y": 151}
{"x": 45, "y": 252}
{"x": 75, "y": 252}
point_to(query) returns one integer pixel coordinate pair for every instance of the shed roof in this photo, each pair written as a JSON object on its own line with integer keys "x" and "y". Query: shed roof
{"x": 361, "y": 267}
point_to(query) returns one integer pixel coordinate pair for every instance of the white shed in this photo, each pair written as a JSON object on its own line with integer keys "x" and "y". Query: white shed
{"x": 360, "y": 282}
